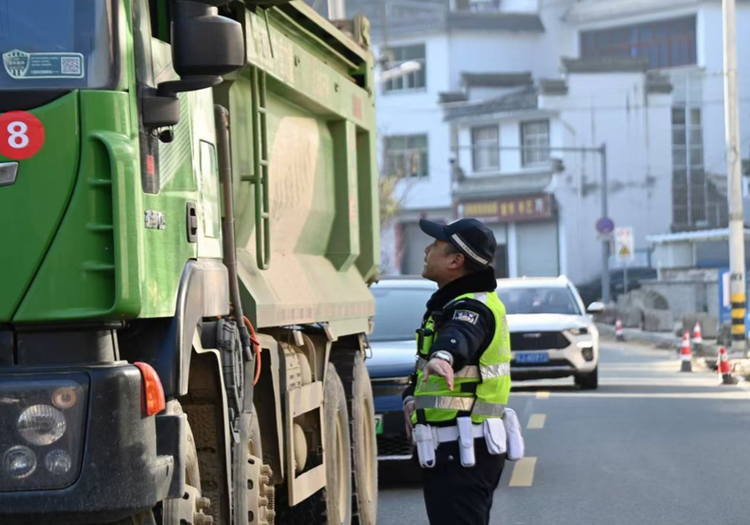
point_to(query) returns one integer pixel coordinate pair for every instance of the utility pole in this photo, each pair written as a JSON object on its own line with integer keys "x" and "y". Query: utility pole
{"x": 605, "y": 213}
{"x": 736, "y": 220}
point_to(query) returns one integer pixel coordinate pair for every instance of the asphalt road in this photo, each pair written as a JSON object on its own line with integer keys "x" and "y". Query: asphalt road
{"x": 650, "y": 446}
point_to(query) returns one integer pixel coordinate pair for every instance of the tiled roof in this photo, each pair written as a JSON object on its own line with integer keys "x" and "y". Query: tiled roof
{"x": 496, "y": 79}
{"x": 511, "y": 22}
{"x": 516, "y": 101}
{"x": 553, "y": 86}
{"x": 607, "y": 65}
{"x": 451, "y": 96}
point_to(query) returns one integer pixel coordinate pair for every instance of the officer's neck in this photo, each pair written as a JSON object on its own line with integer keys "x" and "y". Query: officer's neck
{"x": 446, "y": 280}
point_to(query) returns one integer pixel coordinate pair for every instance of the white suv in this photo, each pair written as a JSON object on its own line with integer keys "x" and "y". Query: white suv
{"x": 551, "y": 335}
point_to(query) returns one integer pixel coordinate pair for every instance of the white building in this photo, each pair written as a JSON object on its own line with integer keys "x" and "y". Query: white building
{"x": 664, "y": 136}
{"x": 543, "y": 204}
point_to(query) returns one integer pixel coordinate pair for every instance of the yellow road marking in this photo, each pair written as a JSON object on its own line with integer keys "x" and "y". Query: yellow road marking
{"x": 523, "y": 473}
{"x": 542, "y": 395}
{"x": 536, "y": 421}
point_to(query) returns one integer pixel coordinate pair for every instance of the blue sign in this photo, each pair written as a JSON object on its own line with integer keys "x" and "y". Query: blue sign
{"x": 605, "y": 225}
{"x": 725, "y": 303}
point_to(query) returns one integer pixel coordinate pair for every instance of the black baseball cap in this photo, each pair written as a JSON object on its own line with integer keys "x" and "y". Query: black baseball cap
{"x": 472, "y": 238}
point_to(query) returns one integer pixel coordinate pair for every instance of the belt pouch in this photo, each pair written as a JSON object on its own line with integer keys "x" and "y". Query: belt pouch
{"x": 495, "y": 436}
{"x": 423, "y": 439}
{"x": 466, "y": 441}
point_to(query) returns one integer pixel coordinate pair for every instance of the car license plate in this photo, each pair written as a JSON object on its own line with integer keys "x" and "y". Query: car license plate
{"x": 532, "y": 357}
{"x": 378, "y": 423}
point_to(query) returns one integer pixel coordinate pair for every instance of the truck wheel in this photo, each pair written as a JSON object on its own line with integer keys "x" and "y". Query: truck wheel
{"x": 171, "y": 508}
{"x": 333, "y": 504}
{"x": 169, "y": 511}
{"x": 250, "y": 510}
{"x": 353, "y": 371}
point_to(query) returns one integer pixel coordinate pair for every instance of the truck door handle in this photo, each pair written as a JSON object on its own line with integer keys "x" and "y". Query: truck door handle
{"x": 192, "y": 222}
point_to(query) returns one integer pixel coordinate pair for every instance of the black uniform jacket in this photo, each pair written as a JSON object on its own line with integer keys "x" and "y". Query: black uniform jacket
{"x": 467, "y": 326}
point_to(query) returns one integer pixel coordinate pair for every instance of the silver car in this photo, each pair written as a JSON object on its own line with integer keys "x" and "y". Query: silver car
{"x": 551, "y": 335}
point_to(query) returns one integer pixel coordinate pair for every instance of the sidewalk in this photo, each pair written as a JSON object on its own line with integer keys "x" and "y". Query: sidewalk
{"x": 704, "y": 354}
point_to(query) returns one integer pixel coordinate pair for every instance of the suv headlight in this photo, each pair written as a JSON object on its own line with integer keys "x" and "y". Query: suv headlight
{"x": 579, "y": 331}
{"x": 41, "y": 430}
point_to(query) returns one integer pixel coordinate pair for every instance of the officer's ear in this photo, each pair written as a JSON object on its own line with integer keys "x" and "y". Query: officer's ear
{"x": 458, "y": 261}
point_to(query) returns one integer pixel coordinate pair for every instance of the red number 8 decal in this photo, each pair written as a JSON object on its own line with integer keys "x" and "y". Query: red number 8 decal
{"x": 21, "y": 135}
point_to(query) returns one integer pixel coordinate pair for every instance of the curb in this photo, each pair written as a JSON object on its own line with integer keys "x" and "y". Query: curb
{"x": 704, "y": 354}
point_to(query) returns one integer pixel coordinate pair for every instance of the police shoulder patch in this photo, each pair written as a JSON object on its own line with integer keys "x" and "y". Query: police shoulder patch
{"x": 466, "y": 315}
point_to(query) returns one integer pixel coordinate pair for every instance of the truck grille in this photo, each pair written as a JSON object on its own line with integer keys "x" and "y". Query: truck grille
{"x": 538, "y": 341}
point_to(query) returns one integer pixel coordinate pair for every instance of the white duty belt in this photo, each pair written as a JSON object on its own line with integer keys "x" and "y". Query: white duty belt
{"x": 501, "y": 436}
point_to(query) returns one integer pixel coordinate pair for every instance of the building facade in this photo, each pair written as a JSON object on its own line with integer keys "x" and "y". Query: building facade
{"x": 501, "y": 78}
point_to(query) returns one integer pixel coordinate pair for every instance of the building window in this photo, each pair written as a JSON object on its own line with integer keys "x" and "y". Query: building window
{"x": 415, "y": 80}
{"x": 485, "y": 143}
{"x": 695, "y": 203}
{"x": 669, "y": 43}
{"x": 406, "y": 156}
{"x": 535, "y": 135}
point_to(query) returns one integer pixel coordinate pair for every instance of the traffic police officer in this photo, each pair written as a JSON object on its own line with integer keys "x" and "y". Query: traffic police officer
{"x": 456, "y": 400}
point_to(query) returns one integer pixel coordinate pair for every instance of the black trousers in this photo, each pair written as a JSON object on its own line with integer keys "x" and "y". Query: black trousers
{"x": 455, "y": 495}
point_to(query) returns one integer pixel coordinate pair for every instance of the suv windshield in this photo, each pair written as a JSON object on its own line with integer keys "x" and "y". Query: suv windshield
{"x": 398, "y": 312}
{"x": 53, "y": 44}
{"x": 549, "y": 300}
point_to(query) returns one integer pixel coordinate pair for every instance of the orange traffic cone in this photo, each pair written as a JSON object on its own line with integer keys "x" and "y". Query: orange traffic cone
{"x": 686, "y": 354}
{"x": 697, "y": 335}
{"x": 619, "y": 335}
{"x": 725, "y": 369}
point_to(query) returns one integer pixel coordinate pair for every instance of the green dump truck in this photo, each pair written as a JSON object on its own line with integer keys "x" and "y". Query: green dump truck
{"x": 188, "y": 201}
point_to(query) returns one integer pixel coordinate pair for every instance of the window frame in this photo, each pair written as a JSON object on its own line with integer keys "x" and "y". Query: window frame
{"x": 486, "y": 143}
{"x": 665, "y": 43}
{"x": 389, "y": 87}
{"x": 423, "y": 152}
{"x": 528, "y": 158}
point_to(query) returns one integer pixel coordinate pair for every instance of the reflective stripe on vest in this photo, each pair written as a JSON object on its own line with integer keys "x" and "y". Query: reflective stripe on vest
{"x": 489, "y": 380}
{"x": 464, "y": 404}
{"x": 475, "y": 372}
{"x": 445, "y": 402}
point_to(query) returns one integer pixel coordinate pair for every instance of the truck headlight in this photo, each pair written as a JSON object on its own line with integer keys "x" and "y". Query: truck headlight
{"x": 19, "y": 462}
{"x": 42, "y": 429}
{"x": 58, "y": 462}
{"x": 41, "y": 424}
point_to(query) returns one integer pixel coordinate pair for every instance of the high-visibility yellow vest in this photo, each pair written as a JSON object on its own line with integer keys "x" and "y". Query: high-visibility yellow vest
{"x": 482, "y": 390}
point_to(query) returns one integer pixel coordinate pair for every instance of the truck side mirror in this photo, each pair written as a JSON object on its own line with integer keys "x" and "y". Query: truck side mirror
{"x": 204, "y": 43}
{"x": 205, "y": 46}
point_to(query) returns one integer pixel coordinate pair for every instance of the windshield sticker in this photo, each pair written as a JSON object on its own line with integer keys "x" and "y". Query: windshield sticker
{"x": 29, "y": 66}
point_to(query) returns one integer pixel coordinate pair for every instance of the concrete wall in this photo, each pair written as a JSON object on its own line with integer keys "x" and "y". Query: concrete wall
{"x": 614, "y": 109}
{"x": 687, "y": 297}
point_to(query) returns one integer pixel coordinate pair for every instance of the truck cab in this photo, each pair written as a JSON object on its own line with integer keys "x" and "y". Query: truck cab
{"x": 189, "y": 199}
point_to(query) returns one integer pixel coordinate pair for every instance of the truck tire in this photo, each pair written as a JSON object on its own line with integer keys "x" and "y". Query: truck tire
{"x": 360, "y": 402}
{"x": 192, "y": 477}
{"x": 331, "y": 505}
{"x": 251, "y": 437}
